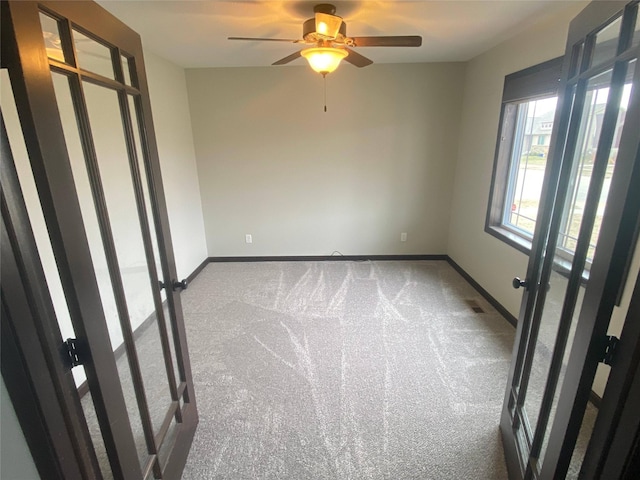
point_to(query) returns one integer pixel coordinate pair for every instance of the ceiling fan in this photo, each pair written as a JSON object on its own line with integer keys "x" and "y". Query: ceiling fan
{"x": 326, "y": 34}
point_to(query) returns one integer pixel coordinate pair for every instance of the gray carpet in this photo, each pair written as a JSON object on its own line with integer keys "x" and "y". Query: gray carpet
{"x": 344, "y": 370}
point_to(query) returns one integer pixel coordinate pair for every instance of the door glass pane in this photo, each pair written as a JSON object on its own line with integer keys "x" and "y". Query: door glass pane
{"x": 120, "y": 198}
{"x": 93, "y": 56}
{"x": 606, "y": 42}
{"x": 92, "y": 230}
{"x": 164, "y": 316}
{"x": 96, "y": 436}
{"x": 125, "y": 70}
{"x": 594, "y": 234}
{"x": 51, "y": 34}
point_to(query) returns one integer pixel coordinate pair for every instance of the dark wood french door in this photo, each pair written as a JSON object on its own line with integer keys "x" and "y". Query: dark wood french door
{"x": 86, "y": 238}
{"x": 577, "y": 265}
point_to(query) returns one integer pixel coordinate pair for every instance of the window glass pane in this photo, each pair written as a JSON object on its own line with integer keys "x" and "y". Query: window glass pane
{"x": 606, "y": 44}
{"x": 93, "y": 56}
{"x": 528, "y": 161}
{"x": 51, "y": 34}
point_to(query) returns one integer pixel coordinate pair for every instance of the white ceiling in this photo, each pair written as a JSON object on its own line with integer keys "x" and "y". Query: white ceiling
{"x": 194, "y": 33}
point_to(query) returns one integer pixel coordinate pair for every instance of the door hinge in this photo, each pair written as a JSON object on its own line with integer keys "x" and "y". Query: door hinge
{"x": 175, "y": 285}
{"x": 73, "y": 356}
{"x": 609, "y": 349}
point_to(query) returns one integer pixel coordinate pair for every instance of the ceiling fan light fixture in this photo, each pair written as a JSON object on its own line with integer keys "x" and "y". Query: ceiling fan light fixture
{"x": 324, "y": 59}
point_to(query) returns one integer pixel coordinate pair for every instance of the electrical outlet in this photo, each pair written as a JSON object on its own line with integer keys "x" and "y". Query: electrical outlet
{"x": 403, "y": 237}
{"x": 248, "y": 238}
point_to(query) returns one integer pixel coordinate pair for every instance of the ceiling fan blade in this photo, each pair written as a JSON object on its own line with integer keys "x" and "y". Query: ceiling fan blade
{"x": 398, "y": 41}
{"x": 288, "y": 59}
{"x": 356, "y": 59}
{"x": 265, "y": 39}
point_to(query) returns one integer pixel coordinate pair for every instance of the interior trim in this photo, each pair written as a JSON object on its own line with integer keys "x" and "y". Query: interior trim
{"x": 323, "y": 258}
{"x": 488, "y": 297}
{"x": 197, "y": 271}
{"x": 497, "y": 305}
{"x": 83, "y": 388}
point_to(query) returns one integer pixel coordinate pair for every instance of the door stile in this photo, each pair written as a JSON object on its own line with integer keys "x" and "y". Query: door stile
{"x": 165, "y": 244}
{"x": 49, "y": 159}
{"x": 189, "y": 412}
{"x": 566, "y": 149}
{"x": 146, "y": 237}
{"x": 581, "y": 250}
{"x": 548, "y": 196}
{"x": 510, "y": 421}
{"x": 567, "y": 123}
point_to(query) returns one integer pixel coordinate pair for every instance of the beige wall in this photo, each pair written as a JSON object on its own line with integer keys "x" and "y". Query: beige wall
{"x": 172, "y": 122}
{"x": 303, "y": 182}
{"x": 16, "y": 462}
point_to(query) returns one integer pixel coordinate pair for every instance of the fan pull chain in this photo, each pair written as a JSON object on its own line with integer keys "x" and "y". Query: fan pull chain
{"x": 324, "y": 77}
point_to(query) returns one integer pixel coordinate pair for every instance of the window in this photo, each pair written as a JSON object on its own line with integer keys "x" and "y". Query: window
{"x": 526, "y": 122}
{"x": 528, "y": 110}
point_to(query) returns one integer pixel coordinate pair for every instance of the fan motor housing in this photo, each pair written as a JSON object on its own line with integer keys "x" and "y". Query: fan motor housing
{"x": 310, "y": 35}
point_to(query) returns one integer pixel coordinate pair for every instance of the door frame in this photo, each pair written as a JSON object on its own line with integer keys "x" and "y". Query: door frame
{"x": 24, "y": 54}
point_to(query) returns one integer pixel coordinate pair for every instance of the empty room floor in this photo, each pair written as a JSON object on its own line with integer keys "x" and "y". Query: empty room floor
{"x": 345, "y": 370}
